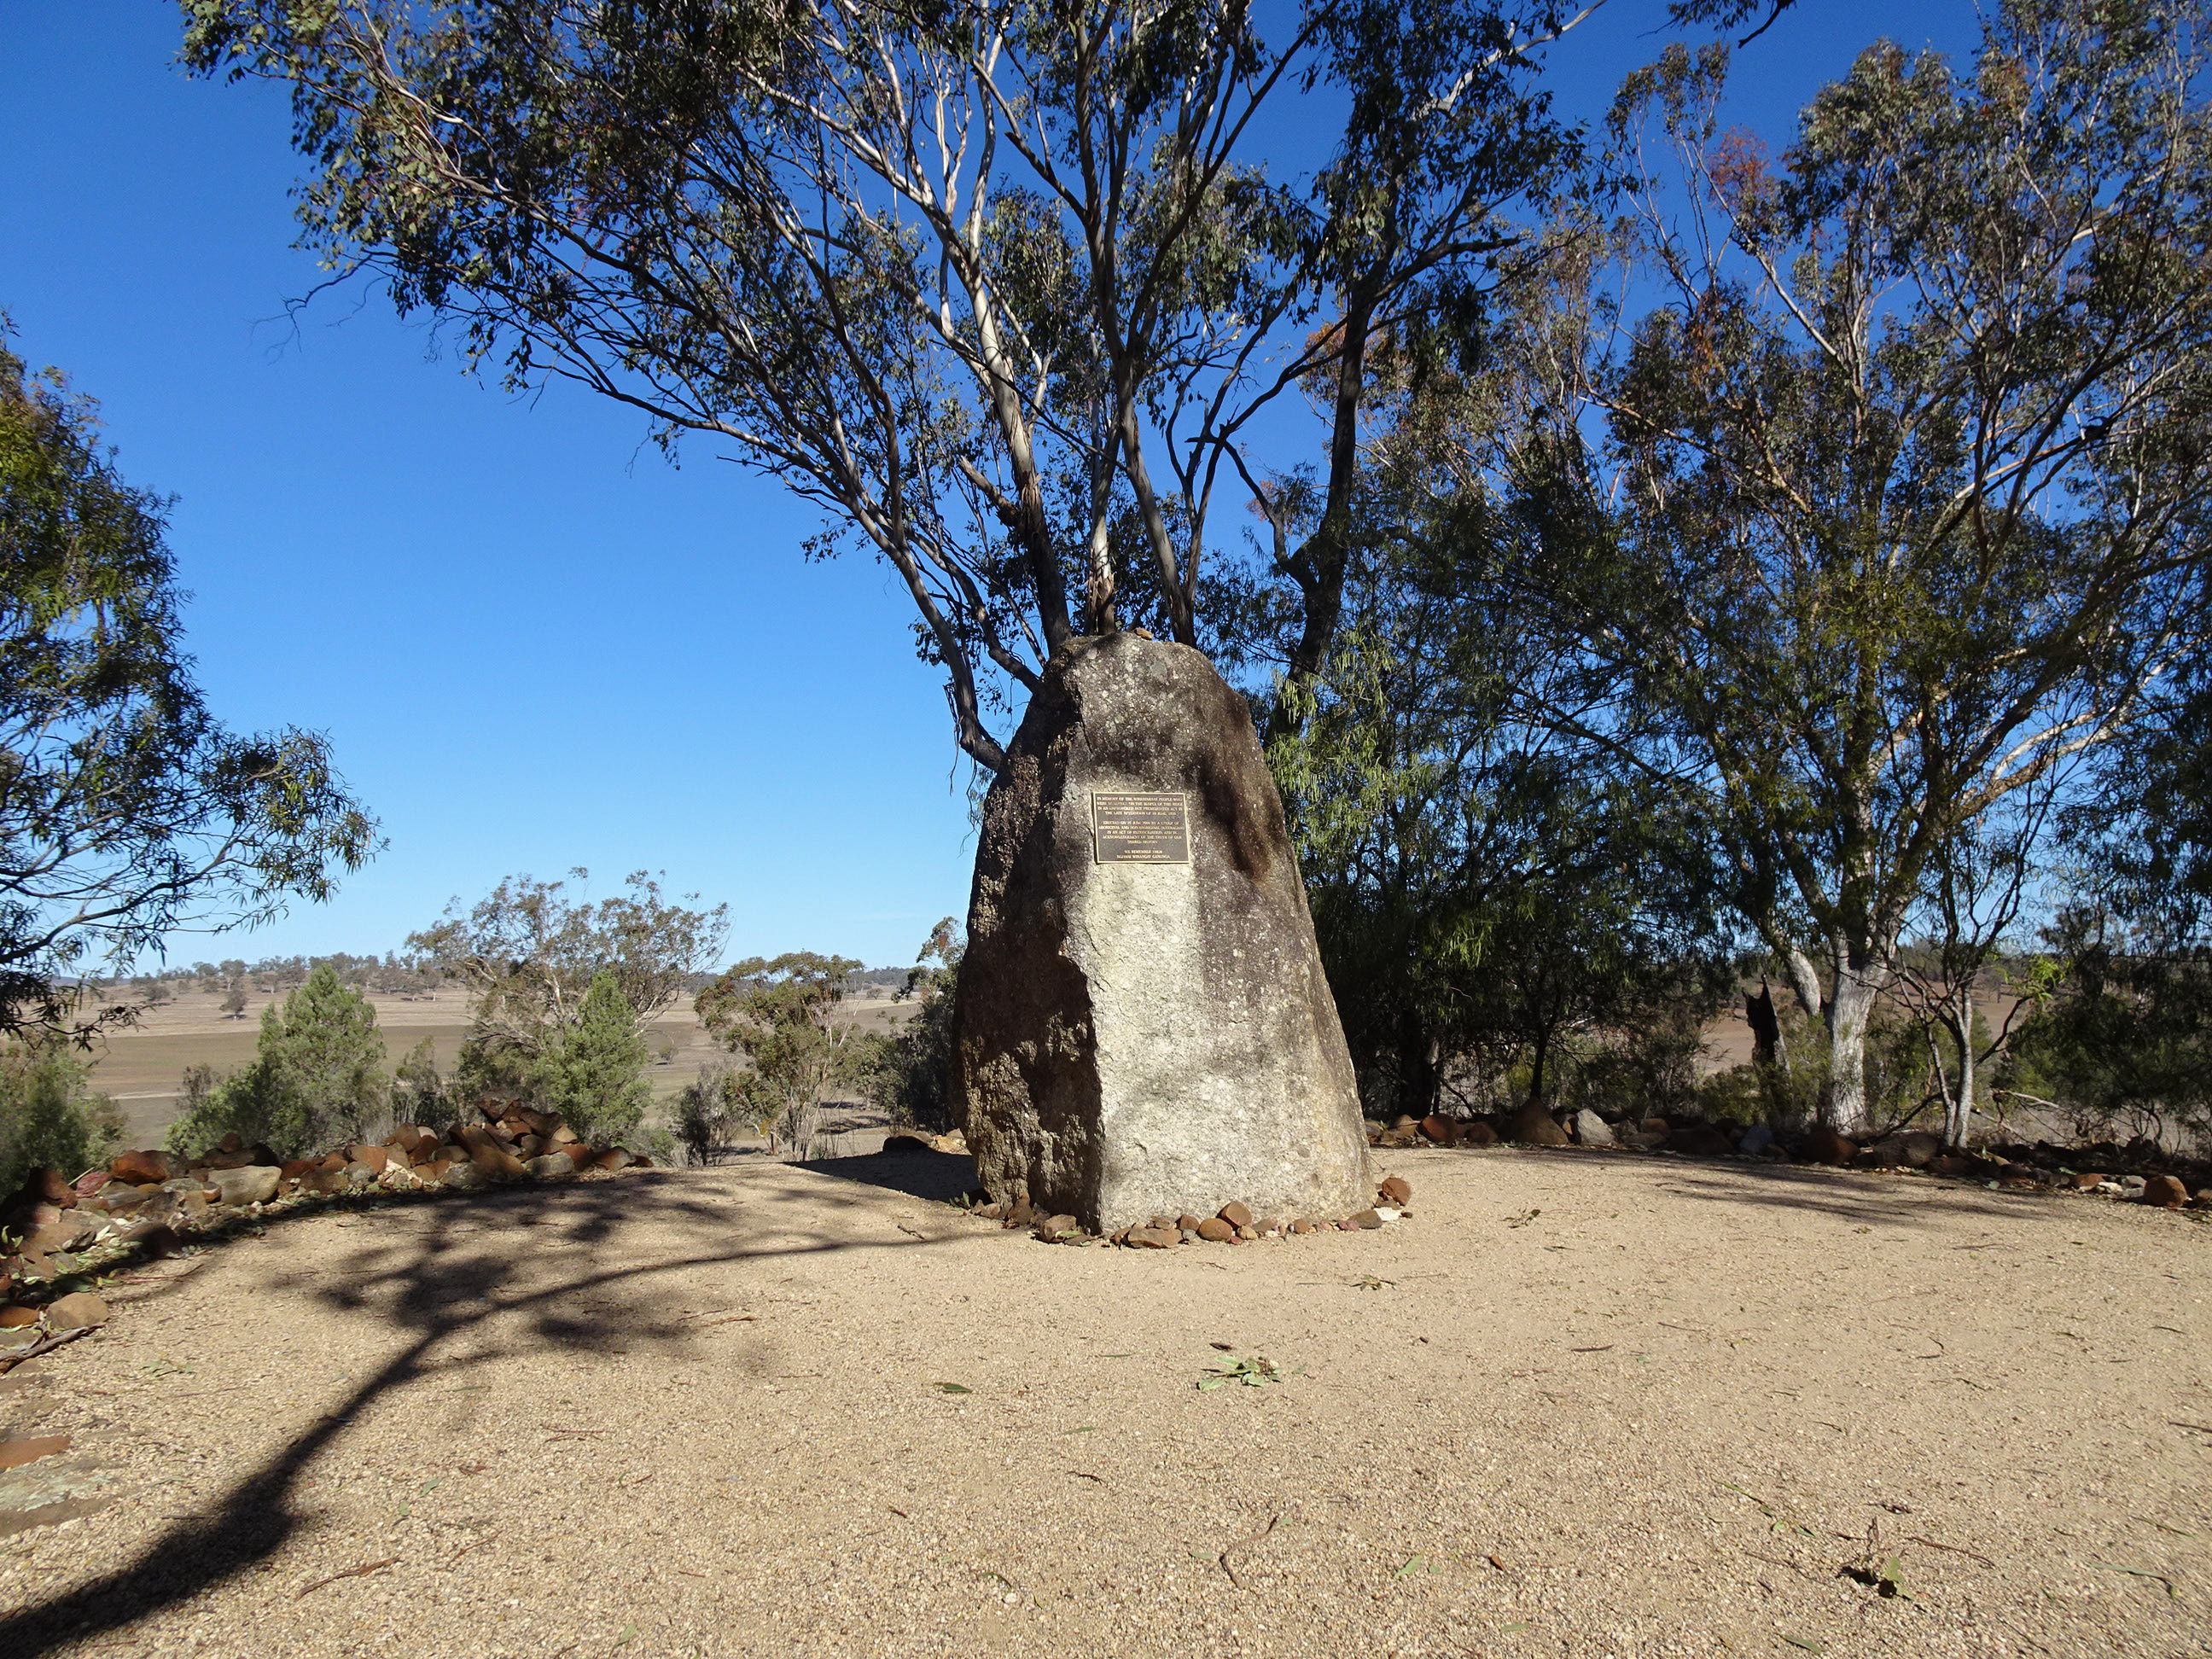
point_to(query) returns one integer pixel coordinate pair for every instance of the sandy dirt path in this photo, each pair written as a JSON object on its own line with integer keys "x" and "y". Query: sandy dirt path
{"x": 1577, "y": 1404}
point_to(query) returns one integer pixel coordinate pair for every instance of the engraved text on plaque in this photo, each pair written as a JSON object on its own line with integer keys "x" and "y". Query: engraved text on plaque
{"x": 1133, "y": 828}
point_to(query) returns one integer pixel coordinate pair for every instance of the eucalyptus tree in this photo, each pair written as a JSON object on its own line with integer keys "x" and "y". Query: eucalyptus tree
{"x": 1006, "y": 289}
{"x": 1889, "y": 505}
{"x": 128, "y": 812}
{"x": 531, "y": 952}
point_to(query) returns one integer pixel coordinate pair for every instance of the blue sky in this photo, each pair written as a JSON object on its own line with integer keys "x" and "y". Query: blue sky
{"x": 534, "y": 644}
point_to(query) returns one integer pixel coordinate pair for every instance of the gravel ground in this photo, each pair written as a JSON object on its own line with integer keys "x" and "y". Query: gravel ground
{"x": 1578, "y": 1404}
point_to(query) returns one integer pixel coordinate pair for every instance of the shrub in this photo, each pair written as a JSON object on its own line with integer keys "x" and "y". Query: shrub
{"x": 50, "y": 1118}
{"x": 593, "y": 1072}
{"x": 317, "y": 1079}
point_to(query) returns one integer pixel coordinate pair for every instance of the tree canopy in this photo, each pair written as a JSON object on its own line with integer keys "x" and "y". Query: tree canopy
{"x": 127, "y": 812}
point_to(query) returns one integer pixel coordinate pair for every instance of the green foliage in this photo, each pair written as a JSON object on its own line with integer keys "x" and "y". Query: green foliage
{"x": 1496, "y": 906}
{"x": 129, "y": 812}
{"x": 780, "y": 1014}
{"x": 530, "y": 953}
{"x": 594, "y": 1073}
{"x": 2121, "y": 1039}
{"x": 50, "y": 1118}
{"x": 419, "y": 1094}
{"x": 317, "y": 1079}
{"x": 707, "y": 1111}
{"x": 907, "y": 1075}
{"x": 1004, "y": 289}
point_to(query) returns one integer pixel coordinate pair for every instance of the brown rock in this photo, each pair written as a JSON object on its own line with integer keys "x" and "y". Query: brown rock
{"x": 1301, "y": 1225}
{"x": 906, "y": 1142}
{"x": 1236, "y": 1214}
{"x": 1054, "y": 1227}
{"x": 1162, "y": 1224}
{"x": 1396, "y": 1189}
{"x": 613, "y": 1158}
{"x": 1151, "y": 1238}
{"x": 64, "y": 1235}
{"x": 1532, "y": 1125}
{"x": 333, "y": 1161}
{"x": 139, "y": 1167}
{"x": 376, "y": 1157}
{"x": 495, "y": 1162}
{"x": 1214, "y": 1230}
{"x": 2165, "y": 1192}
{"x": 1366, "y": 1219}
{"x": 2082, "y": 1180}
{"x": 1918, "y": 1149}
{"x": 16, "y": 1317}
{"x": 1187, "y": 1223}
{"x": 52, "y": 1187}
{"x": 1479, "y": 1133}
{"x": 1023, "y": 1213}
{"x": 91, "y": 1181}
{"x": 1822, "y": 1144}
{"x": 75, "y": 1311}
{"x": 1443, "y": 1130}
{"x": 1700, "y": 1140}
{"x": 154, "y": 1239}
{"x": 577, "y": 1153}
{"x": 14, "y": 1453}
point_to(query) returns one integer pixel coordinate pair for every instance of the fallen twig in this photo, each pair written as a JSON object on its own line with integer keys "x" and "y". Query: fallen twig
{"x": 351, "y": 1572}
{"x": 1222, "y": 1559}
{"x": 44, "y": 1345}
{"x": 2173, "y": 1594}
{"x": 1914, "y": 1538}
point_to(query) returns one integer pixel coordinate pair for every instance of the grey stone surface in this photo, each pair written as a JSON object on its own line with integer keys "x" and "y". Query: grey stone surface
{"x": 1141, "y": 1039}
{"x": 1592, "y": 1130}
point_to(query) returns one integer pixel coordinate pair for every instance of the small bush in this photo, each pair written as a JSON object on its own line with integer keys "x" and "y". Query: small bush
{"x": 50, "y": 1118}
{"x": 709, "y": 1108}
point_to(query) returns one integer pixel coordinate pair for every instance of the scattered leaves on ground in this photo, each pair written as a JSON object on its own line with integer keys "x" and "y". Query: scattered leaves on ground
{"x": 1251, "y": 1370}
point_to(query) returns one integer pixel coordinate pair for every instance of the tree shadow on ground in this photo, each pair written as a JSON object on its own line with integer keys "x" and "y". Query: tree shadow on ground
{"x": 939, "y": 1177}
{"x": 428, "y": 1272}
{"x": 1861, "y": 1196}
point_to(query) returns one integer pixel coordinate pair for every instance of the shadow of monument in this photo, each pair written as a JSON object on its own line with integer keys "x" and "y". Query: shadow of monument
{"x": 939, "y": 1177}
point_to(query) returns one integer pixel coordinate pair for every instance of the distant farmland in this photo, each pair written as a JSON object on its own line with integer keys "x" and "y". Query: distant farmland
{"x": 140, "y": 1067}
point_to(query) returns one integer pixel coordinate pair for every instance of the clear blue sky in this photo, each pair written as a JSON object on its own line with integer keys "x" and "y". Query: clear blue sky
{"x": 533, "y": 644}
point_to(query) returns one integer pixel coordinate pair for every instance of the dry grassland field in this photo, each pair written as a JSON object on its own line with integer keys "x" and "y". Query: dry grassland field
{"x": 1578, "y": 1404}
{"x": 140, "y": 1067}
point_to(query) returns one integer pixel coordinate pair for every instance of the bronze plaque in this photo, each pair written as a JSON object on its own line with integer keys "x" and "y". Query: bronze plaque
{"x": 1133, "y": 828}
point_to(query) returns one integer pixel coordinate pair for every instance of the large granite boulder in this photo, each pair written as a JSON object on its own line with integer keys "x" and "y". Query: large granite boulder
{"x": 1155, "y": 1035}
